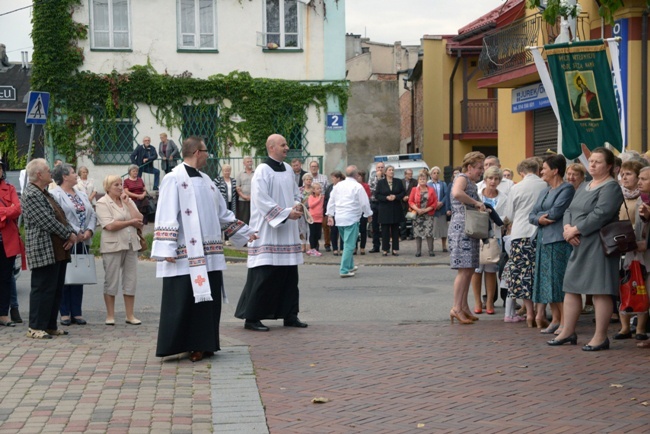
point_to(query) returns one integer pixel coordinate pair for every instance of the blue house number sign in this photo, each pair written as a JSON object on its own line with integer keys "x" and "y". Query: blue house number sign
{"x": 334, "y": 121}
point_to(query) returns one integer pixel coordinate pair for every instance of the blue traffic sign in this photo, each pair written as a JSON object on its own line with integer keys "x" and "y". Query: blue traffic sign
{"x": 334, "y": 121}
{"x": 37, "y": 108}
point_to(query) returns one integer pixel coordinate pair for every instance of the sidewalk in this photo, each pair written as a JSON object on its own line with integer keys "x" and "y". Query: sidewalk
{"x": 107, "y": 379}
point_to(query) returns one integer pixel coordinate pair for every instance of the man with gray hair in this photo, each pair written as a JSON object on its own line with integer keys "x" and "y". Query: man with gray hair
{"x": 505, "y": 185}
{"x": 143, "y": 156}
{"x": 348, "y": 202}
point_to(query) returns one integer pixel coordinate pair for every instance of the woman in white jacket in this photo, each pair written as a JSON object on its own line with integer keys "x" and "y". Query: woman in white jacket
{"x": 81, "y": 216}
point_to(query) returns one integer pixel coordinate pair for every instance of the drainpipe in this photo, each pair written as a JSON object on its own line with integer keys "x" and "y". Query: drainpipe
{"x": 413, "y": 116}
{"x": 644, "y": 81}
{"x": 451, "y": 111}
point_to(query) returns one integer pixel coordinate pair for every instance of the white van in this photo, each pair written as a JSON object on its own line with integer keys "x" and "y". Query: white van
{"x": 400, "y": 162}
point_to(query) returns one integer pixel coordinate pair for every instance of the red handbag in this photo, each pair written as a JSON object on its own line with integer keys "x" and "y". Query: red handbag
{"x": 634, "y": 295}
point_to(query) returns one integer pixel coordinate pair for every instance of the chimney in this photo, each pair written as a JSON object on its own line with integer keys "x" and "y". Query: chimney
{"x": 25, "y": 59}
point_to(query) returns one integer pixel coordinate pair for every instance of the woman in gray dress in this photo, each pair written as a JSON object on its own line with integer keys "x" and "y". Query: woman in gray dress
{"x": 589, "y": 271}
{"x": 463, "y": 250}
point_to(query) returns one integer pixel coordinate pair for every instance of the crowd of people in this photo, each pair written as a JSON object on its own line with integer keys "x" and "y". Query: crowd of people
{"x": 549, "y": 234}
{"x": 546, "y": 227}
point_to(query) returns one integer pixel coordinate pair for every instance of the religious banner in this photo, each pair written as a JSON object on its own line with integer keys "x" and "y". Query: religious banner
{"x": 582, "y": 80}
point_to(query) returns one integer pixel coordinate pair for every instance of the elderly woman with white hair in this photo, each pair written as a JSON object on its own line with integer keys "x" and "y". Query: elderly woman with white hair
{"x": 521, "y": 265}
{"x": 86, "y": 184}
{"x": 228, "y": 188}
{"x": 490, "y": 194}
{"x": 443, "y": 208}
{"x": 48, "y": 238}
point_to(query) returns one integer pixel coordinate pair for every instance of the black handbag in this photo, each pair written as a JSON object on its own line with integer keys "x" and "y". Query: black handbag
{"x": 618, "y": 238}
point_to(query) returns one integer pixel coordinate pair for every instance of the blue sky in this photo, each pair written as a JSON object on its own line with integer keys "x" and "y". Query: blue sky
{"x": 381, "y": 20}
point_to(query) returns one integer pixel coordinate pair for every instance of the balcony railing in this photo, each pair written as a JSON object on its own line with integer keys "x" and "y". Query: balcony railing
{"x": 505, "y": 49}
{"x": 479, "y": 115}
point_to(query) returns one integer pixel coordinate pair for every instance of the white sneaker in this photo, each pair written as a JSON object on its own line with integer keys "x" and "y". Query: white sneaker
{"x": 355, "y": 269}
{"x": 348, "y": 274}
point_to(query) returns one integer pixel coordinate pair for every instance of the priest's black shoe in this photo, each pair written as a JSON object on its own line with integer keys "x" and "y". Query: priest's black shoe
{"x": 256, "y": 326}
{"x": 295, "y": 322}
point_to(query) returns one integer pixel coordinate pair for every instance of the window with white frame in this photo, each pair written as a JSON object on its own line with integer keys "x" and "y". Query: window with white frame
{"x": 197, "y": 24}
{"x": 282, "y": 24}
{"x": 110, "y": 24}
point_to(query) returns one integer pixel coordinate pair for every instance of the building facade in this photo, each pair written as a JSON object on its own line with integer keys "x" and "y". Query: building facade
{"x": 482, "y": 90}
{"x": 275, "y": 39}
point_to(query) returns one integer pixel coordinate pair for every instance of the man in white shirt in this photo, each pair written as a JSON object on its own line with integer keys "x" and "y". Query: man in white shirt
{"x": 505, "y": 185}
{"x": 348, "y": 202}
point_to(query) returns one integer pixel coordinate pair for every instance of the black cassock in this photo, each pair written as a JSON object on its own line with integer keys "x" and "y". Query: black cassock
{"x": 186, "y": 325}
{"x": 271, "y": 292}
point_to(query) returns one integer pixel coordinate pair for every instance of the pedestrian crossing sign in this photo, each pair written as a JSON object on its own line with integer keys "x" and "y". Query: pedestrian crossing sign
{"x": 37, "y": 108}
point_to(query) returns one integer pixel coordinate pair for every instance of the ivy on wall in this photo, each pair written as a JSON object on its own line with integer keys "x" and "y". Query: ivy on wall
{"x": 9, "y": 148}
{"x": 76, "y": 95}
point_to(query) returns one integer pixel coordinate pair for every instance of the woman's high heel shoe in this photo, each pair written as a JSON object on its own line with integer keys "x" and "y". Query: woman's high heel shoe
{"x": 453, "y": 314}
{"x": 573, "y": 340}
{"x": 470, "y": 316}
{"x": 550, "y": 329}
{"x": 603, "y": 346}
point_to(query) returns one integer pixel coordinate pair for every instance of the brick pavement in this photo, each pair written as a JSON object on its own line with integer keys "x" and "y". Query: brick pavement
{"x": 434, "y": 377}
{"x": 103, "y": 379}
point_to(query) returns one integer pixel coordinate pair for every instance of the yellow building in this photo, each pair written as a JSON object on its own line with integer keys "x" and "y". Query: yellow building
{"x": 481, "y": 90}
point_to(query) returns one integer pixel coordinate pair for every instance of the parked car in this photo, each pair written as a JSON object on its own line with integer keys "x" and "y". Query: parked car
{"x": 400, "y": 162}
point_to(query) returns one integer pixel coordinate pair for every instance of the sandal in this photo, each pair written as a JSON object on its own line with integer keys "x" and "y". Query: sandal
{"x": 57, "y": 332}
{"x": 38, "y": 334}
{"x": 7, "y": 323}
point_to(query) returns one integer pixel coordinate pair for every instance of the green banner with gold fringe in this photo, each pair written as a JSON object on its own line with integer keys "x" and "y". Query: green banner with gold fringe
{"x": 584, "y": 90}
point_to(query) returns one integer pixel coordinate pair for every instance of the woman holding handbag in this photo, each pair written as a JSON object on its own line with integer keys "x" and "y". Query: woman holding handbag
{"x": 633, "y": 205}
{"x": 552, "y": 253}
{"x": 463, "y": 250}
{"x": 424, "y": 201}
{"x": 589, "y": 271}
{"x": 81, "y": 216}
{"x": 489, "y": 194}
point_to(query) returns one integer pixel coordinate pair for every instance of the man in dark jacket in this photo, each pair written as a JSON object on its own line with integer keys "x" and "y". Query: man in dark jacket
{"x": 143, "y": 156}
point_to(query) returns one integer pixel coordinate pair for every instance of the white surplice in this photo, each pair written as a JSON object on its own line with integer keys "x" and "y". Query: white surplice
{"x": 214, "y": 216}
{"x": 273, "y": 195}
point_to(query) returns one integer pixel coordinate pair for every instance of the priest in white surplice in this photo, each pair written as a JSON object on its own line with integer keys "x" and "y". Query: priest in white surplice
{"x": 187, "y": 244}
{"x": 271, "y": 290}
